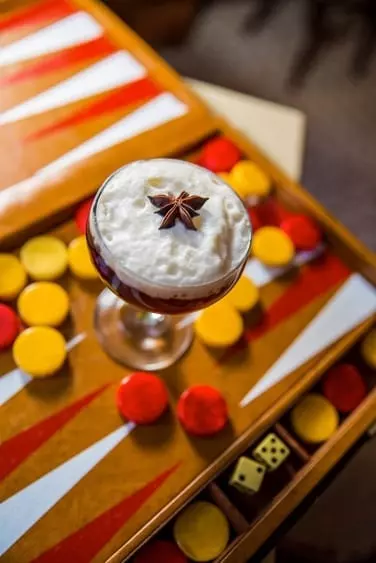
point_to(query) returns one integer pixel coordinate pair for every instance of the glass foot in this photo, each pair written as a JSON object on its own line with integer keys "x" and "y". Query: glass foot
{"x": 140, "y": 340}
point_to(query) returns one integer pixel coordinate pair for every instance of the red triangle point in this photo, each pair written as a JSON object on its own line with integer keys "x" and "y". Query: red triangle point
{"x": 15, "y": 450}
{"x": 84, "y": 544}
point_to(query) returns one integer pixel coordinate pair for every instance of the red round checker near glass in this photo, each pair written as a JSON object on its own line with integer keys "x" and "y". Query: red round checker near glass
{"x": 202, "y": 410}
{"x": 254, "y": 218}
{"x": 142, "y": 398}
{"x": 82, "y": 214}
{"x": 159, "y": 551}
{"x": 219, "y": 155}
{"x": 303, "y": 232}
{"x": 9, "y": 326}
{"x": 344, "y": 387}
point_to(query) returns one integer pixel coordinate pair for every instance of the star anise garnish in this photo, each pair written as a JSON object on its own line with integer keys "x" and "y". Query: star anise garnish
{"x": 183, "y": 207}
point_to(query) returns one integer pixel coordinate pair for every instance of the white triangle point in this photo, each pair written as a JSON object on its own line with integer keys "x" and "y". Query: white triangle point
{"x": 352, "y": 304}
{"x": 158, "y": 111}
{"x": 68, "y": 32}
{"x": 262, "y": 275}
{"x": 107, "y": 74}
{"x": 21, "y": 511}
{"x": 11, "y": 383}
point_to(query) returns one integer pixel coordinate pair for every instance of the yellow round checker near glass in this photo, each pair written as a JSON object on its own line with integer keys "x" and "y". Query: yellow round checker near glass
{"x": 80, "y": 262}
{"x": 368, "y": 349}
{"x": 219, "y": 325}
{"x": 12, "y": 277}
{"x": 244, "y": 295}
{"x": 248, "y": 179}
{"x": 225, "y": 176}
{"x": 314, "y": 419}
{"x": 43, "y": 304}
{"x": 40, "y": 351}
{"x": 272, "y": 247}
{"x": 44, "y": 258}
{"x": 202, "y": 531}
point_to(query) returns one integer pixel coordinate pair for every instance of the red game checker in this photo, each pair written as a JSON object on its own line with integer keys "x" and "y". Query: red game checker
{"x": 344, "y": 387}
{"x": 303, "y": 232}
{"x": 9, "y": 326}
{"x": 142, "y": 398}
{"x": 82, "y": 214}
{"x": 254, "y": 218}
{"x": 160, "y": 551}
{"x": 202, "y": 410}
{"x": 219, "y": 155}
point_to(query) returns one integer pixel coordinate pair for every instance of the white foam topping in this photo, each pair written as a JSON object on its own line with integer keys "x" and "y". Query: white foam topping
{"x": 174, "y": 262}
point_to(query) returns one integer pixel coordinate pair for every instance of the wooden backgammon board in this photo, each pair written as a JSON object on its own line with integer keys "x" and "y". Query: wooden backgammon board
{"x": 82, "y": 95}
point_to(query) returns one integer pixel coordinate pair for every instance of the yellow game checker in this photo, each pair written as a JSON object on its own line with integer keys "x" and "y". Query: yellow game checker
{"x": 79, "y": 259}
{"x": 12, "y": 277}
{"x": 244, "y": 296}
{"x": 314, "y": 419}
{"x": 368, "y": 349}
{"x": 272, "y": 247}
{"x": 248, "y": 180}
{"x": 225, "y": 177}
{"x": 202, "y": 531}
{"x": 43, "y": 304}
{"x": 219, "y": 325}
{"x": 39, "y": 351}
{"x": 44, "y": 258}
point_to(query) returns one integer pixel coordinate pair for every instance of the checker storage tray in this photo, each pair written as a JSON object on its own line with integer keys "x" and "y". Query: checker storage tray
{"x": 75, "y": 481}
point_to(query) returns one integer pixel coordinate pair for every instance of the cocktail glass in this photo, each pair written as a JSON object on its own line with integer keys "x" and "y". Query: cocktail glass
{"x": 136, "y": 328}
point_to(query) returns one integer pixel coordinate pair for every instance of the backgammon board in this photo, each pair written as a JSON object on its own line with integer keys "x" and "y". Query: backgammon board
{"x": 81, "y": 95}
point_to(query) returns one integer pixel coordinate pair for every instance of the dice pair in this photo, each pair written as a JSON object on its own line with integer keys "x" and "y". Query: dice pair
{"x": 249, "y": 474}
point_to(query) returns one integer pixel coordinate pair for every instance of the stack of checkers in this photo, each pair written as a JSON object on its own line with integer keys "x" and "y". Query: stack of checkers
{"x": 28, "y": 285}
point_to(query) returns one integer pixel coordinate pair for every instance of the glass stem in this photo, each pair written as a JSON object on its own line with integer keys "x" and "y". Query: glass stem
{"x": 144, "y": 324}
